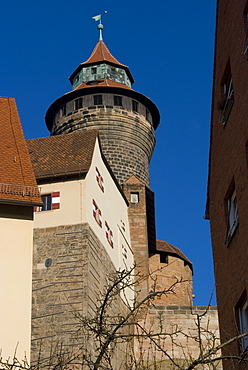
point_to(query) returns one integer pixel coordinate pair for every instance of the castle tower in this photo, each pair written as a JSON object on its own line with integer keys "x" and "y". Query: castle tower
{"x": 102, "y": 99}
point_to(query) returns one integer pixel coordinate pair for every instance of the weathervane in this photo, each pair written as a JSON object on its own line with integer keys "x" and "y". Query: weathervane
{"x": 100, "y": 26}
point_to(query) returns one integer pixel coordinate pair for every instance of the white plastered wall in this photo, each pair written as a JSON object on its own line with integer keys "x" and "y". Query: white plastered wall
{"x": 72, "y": 205}
{"x": 113, "y": 209}
{"x": 16, "y": 241}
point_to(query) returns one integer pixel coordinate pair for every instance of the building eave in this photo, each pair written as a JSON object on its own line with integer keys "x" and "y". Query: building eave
{"x": 102, "y": 89}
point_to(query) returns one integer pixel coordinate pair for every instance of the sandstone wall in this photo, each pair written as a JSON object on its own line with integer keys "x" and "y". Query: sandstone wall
{"x": 68, "y": 289}
{"x": 178, "y": 335}
{"x": 127, "y": 137}
{"x": 174, "y": 275}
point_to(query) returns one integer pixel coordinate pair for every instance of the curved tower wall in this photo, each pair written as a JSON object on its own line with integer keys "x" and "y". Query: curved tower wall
{"x": 127, "y": 136}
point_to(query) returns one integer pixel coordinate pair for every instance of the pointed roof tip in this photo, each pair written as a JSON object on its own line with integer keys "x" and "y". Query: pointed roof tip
{"x": 101, "y": 53}
{"x": 134, "y": 179}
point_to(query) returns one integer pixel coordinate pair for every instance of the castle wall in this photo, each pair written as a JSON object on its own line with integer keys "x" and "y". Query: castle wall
{"x": 127, "y": 137}
{"x": 67, "y": 290}
{"x": 173, "y": 275}
{"x": 183, "y": 345}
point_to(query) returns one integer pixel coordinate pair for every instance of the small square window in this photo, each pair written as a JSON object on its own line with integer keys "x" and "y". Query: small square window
{"x": 135, "y": 105}
{"x": 118, "y": 100}
{"x": 163, "y": 258}
{"x": 93, "y": 70}
{"x": 78, "y": 103}
{"x": 134, "y": 198}
{"x": 47, "y": 202}
{"x": 97, "y": 99}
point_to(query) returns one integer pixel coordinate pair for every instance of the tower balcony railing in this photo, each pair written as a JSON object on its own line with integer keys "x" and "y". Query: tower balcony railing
{"x": 32, "y": 191}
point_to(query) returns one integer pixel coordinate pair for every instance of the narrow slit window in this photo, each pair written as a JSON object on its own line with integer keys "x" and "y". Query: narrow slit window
{"x": 135, "y": 105}
{"x": 63, "y": 110}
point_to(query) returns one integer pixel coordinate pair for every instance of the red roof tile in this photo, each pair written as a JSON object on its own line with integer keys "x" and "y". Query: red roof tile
{"x": 101, "y": 53}
{"x": 62, "y": 155}
{"x": 17, "y": 180}
{"x": 163, "y": 246}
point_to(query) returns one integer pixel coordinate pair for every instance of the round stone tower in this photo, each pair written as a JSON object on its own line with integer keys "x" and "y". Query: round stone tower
{"x": 102, "y": 99}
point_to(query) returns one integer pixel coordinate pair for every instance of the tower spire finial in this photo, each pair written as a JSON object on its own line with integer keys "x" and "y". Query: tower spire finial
{"x": 100, "y": 25}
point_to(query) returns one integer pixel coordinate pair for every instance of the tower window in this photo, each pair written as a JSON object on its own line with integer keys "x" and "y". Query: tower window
{"x": 93, "y": 70}
{"x": 147, "y": 115}
{"x": 78, "y": 103}
{"x": 97, "y": 99}
{"x": 63, "y": 110}
{"x": 163, "y": 258}
{"x": 135, "y": 105}
{"x": 134, "y": 197}
{"x": 117, "y": 100}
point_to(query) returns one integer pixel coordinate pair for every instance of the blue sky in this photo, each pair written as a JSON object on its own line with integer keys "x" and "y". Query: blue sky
{"x": 168, "y": 46}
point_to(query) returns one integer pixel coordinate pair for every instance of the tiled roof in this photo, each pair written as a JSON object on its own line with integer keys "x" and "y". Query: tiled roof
{"x": 17, "y": 180}
{"x": 102, "y": 82}
{"x": 163, "y": 246}
{"x": 101, "y": 53}
{"x": 62, "y": 155}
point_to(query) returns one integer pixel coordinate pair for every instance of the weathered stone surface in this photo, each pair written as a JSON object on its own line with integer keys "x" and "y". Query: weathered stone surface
{"x": 67, "y": 290}
{"x": 127, "y": 137}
